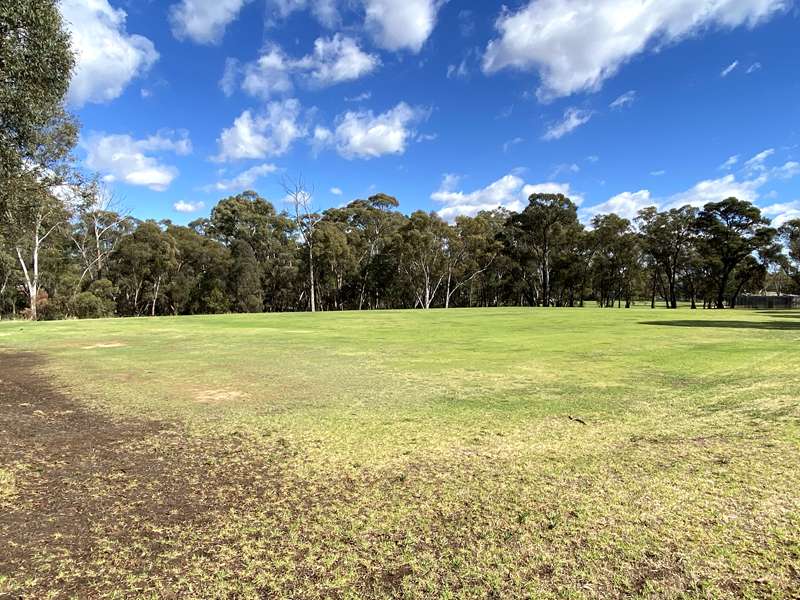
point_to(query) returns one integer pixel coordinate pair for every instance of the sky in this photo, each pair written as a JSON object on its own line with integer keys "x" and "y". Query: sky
{"x": 450, "y": 106}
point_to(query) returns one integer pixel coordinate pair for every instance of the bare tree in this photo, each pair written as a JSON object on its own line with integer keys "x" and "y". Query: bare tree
{"x": 98, "y": 228}
{"x": 301, "y": 198}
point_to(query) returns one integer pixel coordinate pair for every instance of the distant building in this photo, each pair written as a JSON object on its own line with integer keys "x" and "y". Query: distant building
{"x": 768, "y": 301}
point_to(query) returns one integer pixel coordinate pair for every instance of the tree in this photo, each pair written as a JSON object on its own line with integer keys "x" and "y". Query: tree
{"x": 790, "y": 236}
{"x": 35, "y": 66}
{"x": 728, "y": 232}
{"x": 471, "y": 249}
{"x": 423, "y": 242}
{"x": 301, "y": 198}
{"x": 244, "y": 279}
{"x": 37, "y": 198}
{"x": 546, "y": 225}
{"x": 616, "y": 259}
{"x": 250, "y": 218}
{"x": 96, "y": 231}
{"x": 141, "y": 266}
{"x": 667, "y": 238}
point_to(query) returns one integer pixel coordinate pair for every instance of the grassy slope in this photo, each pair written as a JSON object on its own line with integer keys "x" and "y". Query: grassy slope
{"x": 432, "y": 453}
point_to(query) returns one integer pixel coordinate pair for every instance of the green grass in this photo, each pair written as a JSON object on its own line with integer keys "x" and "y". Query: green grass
{"x": 431, "y": 453}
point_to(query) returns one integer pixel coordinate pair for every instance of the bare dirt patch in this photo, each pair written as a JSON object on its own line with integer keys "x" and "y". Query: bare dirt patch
{"x": 85, "y": 484}
{"x": 218, "y": 396}
{"x": 104, "y": 345}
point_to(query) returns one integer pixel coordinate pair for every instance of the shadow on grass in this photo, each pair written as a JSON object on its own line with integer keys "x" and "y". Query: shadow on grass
{"x": 774, "y": 325}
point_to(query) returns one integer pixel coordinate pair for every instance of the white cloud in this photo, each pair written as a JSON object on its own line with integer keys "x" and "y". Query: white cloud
{"x": 575, "y": 45}
{"x": 509, "y": 192}
{"x": 573, "y": 118}
{"x": 787, "y": 170}
{"x": 459, "y": 71}
{"x": 122, "y": 158}
{"x": 188, "y": 207}
{"x": 400, "y": 24}
{"x": 715, "y": 190}
{"x": 243, "y": 180}
{"x": 626, "y": 205}
{"x": 754, "y": 175}
{"x": 782, "y": 212}
{"x": 624, "y": 100}
{"x": 757, "y": 162}
{"x": 729, "y": 69}
{"x": 362, "y": 134}
{"x": 730, "y": 163}
{"x": 267, "y": 76}
{"x": 325, "y": 11}
{"x": 336, "y": 191}
{"x": 658, "y": 173}
{"x": 203, "y": 21}
{"x": 333, "y": 60}
{"x": 753, "y": 68}
{"x": 270, "y": 133}
{"x": 362, "y": 97}
{"x": 337, "y": 59}
{"x": 107, "y": 57}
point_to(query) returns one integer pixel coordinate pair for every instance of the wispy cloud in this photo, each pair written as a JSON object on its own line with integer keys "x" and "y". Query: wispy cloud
{"x": 624, "y": 100}
{"x": 572, "y": 119}
{"x": 729, "y": 69}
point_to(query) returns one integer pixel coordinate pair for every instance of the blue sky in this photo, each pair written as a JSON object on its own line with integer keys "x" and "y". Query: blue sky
{"x": 451, "y": 106}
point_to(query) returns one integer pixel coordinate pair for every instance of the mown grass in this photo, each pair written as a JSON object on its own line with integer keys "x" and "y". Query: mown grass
{"x": 432, "y": 454}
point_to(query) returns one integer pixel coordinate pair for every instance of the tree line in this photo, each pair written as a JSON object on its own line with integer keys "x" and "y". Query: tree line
{"x": 86, "y": 261}
{"x": 65, "y": 251}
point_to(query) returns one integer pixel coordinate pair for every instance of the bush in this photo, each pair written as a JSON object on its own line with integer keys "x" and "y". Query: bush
{"x": 87, "y": 305}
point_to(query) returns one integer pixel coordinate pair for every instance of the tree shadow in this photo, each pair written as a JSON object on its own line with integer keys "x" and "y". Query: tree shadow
{"x": 771, "y": 325}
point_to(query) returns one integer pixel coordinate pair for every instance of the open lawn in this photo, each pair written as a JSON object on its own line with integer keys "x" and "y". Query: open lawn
{"x": 541, "y": 453}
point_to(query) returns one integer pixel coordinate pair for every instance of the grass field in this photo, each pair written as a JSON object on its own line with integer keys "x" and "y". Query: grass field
{"x": 454, "y": 454}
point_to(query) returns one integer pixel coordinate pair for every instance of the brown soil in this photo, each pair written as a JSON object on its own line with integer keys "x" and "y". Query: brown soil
{"x": 86, "y": 482}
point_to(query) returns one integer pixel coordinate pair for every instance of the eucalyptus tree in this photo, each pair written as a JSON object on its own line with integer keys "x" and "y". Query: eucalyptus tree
{"x": 616, "y": 259}
{"x": 423, "y": 255}
{"x": 728, "y": 232}
{"x": 141, "y": 267}
{"x": 546, "y": 226}
{"x": 790, "y": 237}
{"x": 35, "y": 67}
{"x": 667, "y": 239}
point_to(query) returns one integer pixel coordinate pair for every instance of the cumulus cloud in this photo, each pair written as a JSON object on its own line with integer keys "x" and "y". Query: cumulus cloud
{"x": 401, "y": 24}
{"x": 203, "y": 21}
{"x": 107, "y": 56}
{"x": 782, "y": 212}
{"x": 334, "y": 60}
{"x": 336, "y": 191}
{"x": 626, "y": 205}
{"x": 575, "y": 45}
{"x": 243, "y": 180}
{"x": 259, "y": 135}
{"x": 572, "y": 119}
{"x": 120, "y": 157}
{"x": 624, "y": 100}
{"x": 746, "y": 184}
{"x": 362, "y": 134}
{"x": 509, "y": 192}
{"x": 183, "y": 206}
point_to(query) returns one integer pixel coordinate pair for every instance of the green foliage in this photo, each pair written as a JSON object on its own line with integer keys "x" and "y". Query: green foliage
{"x": 35, "y": 66}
